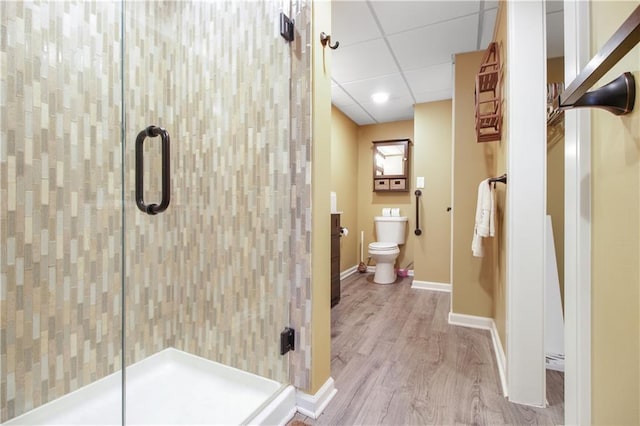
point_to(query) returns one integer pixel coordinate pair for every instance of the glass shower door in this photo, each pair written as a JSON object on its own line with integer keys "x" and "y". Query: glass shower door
{"x": 61, "y": 212}
{"x": 207, "y": 279}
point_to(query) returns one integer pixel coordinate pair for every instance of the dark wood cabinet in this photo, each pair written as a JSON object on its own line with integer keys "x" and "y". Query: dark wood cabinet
{"x": 335, "y": 259}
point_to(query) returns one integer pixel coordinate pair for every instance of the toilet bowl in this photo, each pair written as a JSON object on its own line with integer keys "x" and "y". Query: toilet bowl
{"x": 390, "y": 231}
{"x": 385, "y": 255}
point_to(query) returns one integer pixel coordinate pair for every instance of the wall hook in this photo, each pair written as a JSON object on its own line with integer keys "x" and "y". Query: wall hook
{"x": 325, "y": 39}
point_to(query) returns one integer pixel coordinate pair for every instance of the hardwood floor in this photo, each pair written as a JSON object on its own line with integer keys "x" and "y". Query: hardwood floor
{"x": 397, "y": 361}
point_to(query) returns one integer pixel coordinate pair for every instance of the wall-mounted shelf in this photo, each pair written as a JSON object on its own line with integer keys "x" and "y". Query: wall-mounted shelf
{"x": 488, "y": 97}
{"x": 399, "y": 184}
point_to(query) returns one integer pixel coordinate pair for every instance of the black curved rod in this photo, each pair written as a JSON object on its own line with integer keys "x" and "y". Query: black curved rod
{"x": 418, "y": 231}
{"x": 621, "y": 42}
{"x": 152, "y": 209}
{"x": 501, "y": 179}
{"x": 617, "y": 97}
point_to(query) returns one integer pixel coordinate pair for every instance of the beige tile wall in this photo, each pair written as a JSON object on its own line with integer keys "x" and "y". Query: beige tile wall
{"x": 216, "y": 274}
{"x": 59, "y": 188}
{"x": 300, "y": 167}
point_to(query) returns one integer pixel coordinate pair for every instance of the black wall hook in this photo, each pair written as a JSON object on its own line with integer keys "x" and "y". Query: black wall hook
{"x": 325, "y": 39}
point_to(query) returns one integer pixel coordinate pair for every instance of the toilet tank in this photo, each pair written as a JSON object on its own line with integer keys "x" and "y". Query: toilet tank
{"x": 390, "y": 229}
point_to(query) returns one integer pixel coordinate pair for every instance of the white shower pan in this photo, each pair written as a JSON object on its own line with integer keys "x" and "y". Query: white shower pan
{"x": 172, "y": 387}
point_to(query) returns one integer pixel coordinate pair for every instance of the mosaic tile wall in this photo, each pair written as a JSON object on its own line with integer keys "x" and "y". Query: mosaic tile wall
{"x": 217, "y": 273}
{"x": 300, "y": 166}
{"x": 217, "y": 284}
{"x": 59, "y": 186}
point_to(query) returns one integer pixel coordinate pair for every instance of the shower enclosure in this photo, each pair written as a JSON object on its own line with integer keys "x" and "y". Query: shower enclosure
{"x": 97, "y": 295}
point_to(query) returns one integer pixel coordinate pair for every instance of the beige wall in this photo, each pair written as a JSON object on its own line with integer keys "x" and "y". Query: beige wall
{"x": 370, "y": 203}
{"x": 321, "y": 216}
{"x": 555, "y": 174}
{"x": 344, "y": 182}
{"x": 432, "y": 159}
{"x": 473, "y": 278}
{"x": 615, "y": 230}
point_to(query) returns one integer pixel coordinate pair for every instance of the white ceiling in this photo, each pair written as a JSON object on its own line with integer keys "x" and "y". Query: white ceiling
{"x": 406, "y": 48}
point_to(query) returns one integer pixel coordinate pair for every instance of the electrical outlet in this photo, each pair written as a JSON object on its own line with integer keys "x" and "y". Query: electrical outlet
{"x": 420, "y": 182}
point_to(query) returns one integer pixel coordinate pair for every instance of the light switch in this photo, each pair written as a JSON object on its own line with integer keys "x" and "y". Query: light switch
{"x": 420, "y": 182}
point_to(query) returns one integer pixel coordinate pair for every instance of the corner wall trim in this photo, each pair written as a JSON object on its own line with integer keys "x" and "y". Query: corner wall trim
{"x": 348, "y": 272}
{"x": 577, "y": 231}
{"x": 313, "y": 405}
{"x": 485, "y": 323}
{"x": 527, "y": 165}
{"x": 429, "y": 285}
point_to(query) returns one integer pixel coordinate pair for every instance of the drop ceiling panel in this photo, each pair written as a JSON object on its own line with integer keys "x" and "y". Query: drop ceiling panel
{"x": 431, "y": 78}
{"x": 346, "y": 29}
{"x": 361, "y": 61}
{"x": 422, "y": 35}
{"x": 399, "y": 16}
{"x": 436, "y": 95}
{"x": 392, "y": 84}
{"x": 339, "y": 97}
{"x": 435, "y": 44}
{"x": 392, "y": 110}
{"x": 357, "y": 114}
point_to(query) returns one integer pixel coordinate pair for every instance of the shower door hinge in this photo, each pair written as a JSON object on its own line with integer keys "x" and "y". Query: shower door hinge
{"x": 286, "y": 27}
{"x": 287, "y": 340}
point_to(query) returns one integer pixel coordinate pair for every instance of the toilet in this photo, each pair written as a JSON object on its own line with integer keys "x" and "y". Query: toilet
{"x": 390, "y": 232}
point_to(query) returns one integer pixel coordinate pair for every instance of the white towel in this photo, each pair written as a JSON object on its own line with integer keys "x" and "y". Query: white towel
{"x": 484, "y": 226}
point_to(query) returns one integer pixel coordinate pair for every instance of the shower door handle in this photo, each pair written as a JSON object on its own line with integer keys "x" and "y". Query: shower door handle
{"x": 153, "y": 131}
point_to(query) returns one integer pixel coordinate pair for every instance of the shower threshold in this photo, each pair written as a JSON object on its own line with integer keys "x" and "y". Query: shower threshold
{"x": 171, "y": 387}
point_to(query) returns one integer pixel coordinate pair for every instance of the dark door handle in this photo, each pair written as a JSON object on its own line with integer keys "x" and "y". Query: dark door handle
{"x": 153, "y": 131}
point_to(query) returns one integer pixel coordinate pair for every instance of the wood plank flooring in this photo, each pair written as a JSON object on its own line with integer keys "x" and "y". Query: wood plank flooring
{"x": 397, "y": 361}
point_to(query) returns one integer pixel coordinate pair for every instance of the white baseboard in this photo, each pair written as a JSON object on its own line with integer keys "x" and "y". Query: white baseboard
{"x": 348, "y": 272}
{"x": 428, "y": 285}
{"x": 313, "y": 405}
{"x": 485, "y": 323}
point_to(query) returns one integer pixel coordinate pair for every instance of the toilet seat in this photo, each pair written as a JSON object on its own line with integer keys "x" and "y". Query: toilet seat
{"x": 383, "y": 247}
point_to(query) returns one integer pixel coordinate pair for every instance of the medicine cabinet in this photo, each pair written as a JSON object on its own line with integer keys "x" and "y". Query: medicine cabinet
{"x": 391, "y": 165}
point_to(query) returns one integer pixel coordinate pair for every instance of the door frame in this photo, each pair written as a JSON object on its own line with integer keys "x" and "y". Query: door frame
{"x": 526, "y": 201}
{"x": 577, "y": 234}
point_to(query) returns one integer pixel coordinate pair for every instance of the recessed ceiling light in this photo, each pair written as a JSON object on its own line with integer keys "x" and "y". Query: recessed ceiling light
{"x": 380, "y": 97}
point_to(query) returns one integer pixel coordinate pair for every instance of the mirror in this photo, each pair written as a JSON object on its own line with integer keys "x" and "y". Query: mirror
{"x": 390, "y": 165}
